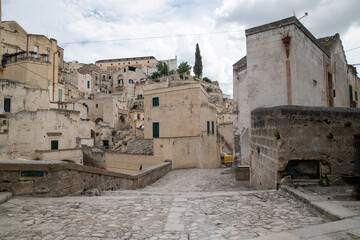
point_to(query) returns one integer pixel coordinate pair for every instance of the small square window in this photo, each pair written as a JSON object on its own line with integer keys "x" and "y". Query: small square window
{"x": 54, "y": 144}
{"x": 155, "y": 101}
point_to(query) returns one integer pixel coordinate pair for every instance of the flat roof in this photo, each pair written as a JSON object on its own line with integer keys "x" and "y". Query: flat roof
{"x": 125, "y": 59}
{"x": 285, "y": 22}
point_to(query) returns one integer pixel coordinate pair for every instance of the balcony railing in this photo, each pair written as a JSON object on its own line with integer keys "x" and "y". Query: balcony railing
{"x": 24, "y": 56}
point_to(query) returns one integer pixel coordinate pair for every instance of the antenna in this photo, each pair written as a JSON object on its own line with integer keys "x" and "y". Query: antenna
{"x": 305, "y": 15}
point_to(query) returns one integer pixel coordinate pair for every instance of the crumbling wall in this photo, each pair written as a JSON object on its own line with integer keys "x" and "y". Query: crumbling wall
{"x": 285, "y": 133}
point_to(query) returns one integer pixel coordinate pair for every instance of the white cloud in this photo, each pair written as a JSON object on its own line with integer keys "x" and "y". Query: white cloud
{"x": 90, "y": 20}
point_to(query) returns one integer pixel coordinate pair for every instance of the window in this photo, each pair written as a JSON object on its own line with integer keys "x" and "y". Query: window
{"x": 120, "y": 82}
{"x": 96, "y": 79}
{"x": 111, "y": 65}
{"x": 104, "y": 77}
{"x": 124, "y": 69}
{"x": 142, "y": 79}
{"x": 351, "y": 93}
{"x": 119, "y": 68}
{"x": 138, "y": 117}
{"x": 334, "y": 93}
{"x": 47, "y": 55}
{"x": 111, "y": 69}
{"x": 133, "y": 69}
{"x": 212, "y": 127}
{"x": 36, "y": 50}
{"x": 60, "y": 95}
{"x": 59, "y": 55}
{"x": 356, "y": 96}
{"x": 7, "y": 104}
{"x": 208, "y": 127}
{"x": 109, "y": 77}
{"x": 54, "y": 144}
{"x": 97, "y": 105}
{"x": 88, "y": 84}
{"x": 155, "y": 130}
{"x": 139, "y": 96}
{"x": 131, "y": 81}
{"x": 155, "y": 101}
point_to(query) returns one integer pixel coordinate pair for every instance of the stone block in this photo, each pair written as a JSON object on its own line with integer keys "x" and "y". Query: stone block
{"x": 23, "y": 188}
{"x": 9, "y": 176}
{"x": 242, "y": 173}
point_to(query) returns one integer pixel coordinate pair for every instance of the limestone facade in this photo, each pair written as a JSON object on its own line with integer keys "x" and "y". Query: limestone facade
{"x": 28, "y": 131}
{"x": 31, "y": 59}
{"x": 182, "y": 123}
{"x": 115, "y": 64}
{"x": 285, "y": 65}
{"x": 21, "y": 97}
{"x": 354, "y": 86}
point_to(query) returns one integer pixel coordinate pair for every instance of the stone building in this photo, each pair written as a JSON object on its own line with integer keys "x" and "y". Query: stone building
{"x": 44, "y": 135}
{"x": 31, "y": 59}
{"x": 182, "y": 123}
{"x": 124, "y": 80}
{"x": 285, "y": 65}
{"x": 115, "y": 64}
{"x": 95, "y": 73}
{"x": 354, "y": 86}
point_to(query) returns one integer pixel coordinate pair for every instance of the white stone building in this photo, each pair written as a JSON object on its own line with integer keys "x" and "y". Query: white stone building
{"x": 285, "y": 65}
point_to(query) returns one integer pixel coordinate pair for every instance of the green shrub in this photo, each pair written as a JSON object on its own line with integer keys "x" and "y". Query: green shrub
{"x": 330, "y": 136}
{"x": 348, "y": 124}
{"x": 277, "y": 135}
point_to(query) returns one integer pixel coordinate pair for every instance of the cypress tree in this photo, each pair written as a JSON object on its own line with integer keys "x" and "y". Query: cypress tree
{"x": 198, "y": 67}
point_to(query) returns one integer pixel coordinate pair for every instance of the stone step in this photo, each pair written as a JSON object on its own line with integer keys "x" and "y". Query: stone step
{"x": 4, "y": 196}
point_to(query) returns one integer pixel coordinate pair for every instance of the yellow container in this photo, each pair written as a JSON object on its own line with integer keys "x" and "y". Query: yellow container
{"x": 228, "y": 158}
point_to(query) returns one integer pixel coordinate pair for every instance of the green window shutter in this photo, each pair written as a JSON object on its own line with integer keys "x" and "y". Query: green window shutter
{"x": 54, "y": 144}
{"x": 155, "y": 101}
{"x": 212, "y": 127}
{"x": 156, "y": 130}
{"x": 60, "y": 95}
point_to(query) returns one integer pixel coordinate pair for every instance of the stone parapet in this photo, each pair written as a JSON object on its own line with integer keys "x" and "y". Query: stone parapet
{"x": 55, "y": 178}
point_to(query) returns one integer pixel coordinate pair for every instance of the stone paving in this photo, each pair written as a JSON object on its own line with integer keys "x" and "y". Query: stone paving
{"x": 174, "y": 208}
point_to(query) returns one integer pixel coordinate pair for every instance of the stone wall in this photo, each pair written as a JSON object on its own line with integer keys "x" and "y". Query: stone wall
{"x": 93, "y": 157}
{"x": 56, "y": 179}
{"x": 285, "y": 133}
{"x": 129, "y": 163}
{"x": 23, "y": 98}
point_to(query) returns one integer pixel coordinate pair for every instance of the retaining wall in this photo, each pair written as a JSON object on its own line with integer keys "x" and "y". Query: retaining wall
{"x": 55, "y": 179}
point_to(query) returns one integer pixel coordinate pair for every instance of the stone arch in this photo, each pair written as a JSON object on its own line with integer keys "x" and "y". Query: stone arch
{"x": 98, "y": 120}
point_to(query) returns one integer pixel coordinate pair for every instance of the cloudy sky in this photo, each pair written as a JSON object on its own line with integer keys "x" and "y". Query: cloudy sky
{"x": 168, "y": 28}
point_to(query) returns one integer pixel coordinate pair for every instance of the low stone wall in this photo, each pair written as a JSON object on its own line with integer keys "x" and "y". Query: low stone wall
{"x": 56, "y": 179}
{"x": 72, "y": 154}
{"x": 286, "y": 133}
{"x": 130, "y": 163}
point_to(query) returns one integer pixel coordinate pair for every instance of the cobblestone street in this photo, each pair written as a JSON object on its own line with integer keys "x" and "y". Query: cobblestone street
{"x": 192, "y": 212}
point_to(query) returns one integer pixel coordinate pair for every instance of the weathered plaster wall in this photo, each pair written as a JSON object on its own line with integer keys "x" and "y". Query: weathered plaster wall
{"x": 305, "y": 134}
{"x": 30, "y": 131}
{"x": 22, "y": 97}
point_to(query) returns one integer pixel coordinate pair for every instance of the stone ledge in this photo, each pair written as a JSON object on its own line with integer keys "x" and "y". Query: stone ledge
{"x": 330, "y": 210}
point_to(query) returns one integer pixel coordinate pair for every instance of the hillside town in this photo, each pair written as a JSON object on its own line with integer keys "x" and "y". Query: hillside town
{"x": 147, "y": 148}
